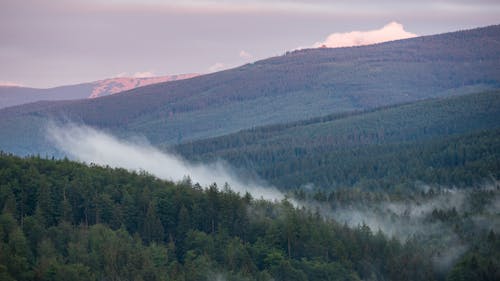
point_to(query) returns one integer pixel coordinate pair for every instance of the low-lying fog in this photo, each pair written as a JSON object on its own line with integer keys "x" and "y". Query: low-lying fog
{"x": 402, "y": 220}
{"x": 91, "y": 146}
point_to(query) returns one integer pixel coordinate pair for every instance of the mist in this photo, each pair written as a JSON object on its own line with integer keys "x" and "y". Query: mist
{"x": 401, "y": 219}
{"x": 88, "y": 145}
{"x": 408, "y": 220}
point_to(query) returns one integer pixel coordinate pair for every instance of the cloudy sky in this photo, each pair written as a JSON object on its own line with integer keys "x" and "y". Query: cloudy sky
{"x": 48, "y": 43}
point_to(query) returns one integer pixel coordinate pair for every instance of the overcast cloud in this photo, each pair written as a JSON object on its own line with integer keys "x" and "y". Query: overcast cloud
{"x": 48, "y": 43}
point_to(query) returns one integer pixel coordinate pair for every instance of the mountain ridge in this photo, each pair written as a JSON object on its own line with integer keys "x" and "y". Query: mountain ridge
{"x": 18, "y": 95}
{"x": 296, "y": 86}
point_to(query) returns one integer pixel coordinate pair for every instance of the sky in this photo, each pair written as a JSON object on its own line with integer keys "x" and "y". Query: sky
{"x": 47, "y": 43}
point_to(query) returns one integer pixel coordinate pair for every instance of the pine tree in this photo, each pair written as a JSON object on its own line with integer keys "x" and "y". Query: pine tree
{"x": 152, "y": 230}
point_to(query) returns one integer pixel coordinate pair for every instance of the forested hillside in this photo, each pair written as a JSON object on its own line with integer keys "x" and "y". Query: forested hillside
{"x": 62, "y": 220}
{"x": 296, "y": 86}
{"x": 448, "y": 141}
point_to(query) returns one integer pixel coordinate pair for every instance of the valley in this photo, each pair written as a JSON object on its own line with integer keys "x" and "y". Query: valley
{"x": 368, "y": 162}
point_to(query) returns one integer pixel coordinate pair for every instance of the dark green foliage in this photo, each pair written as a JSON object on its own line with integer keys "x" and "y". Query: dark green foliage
{"x": 65, "y": 221}
{"x": 451, "y": 141}
{"x": 481, "y": 263}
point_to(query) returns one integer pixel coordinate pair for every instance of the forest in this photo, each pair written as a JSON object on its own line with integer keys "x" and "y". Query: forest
{"x": 449, "y": 141}
{"x": 63, "y": 220}
{"x": 375, "y": 157}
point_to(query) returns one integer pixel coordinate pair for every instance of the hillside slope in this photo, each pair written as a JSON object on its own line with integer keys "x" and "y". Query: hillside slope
{"x": 299, "y": 85}
{"x": 449, "y": 141}
{"x": 63, "y": 220}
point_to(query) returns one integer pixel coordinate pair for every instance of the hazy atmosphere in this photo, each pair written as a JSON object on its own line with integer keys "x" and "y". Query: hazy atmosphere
{"x": 93, "y": 147}
{"x": 238, "y": 140}
{"x": 60, "y": 42}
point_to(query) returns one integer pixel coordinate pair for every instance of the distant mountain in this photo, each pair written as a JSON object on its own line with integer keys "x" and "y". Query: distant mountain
{"x": 448, "y": 141}
{"x": 298, "y": 85}
{"x": 115, "y": 85}
{"x": 13, "y": 95}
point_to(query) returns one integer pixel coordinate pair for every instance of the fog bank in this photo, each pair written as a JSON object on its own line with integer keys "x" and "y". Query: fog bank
{"x": 91, "y": 146}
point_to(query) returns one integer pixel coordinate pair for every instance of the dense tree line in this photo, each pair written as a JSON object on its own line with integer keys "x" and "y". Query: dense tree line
{"x": 455, "y": 226}
{"x": 455, "y": 161}
{"x": 62, "y": 220}
{"x": 452, "y": 141}
{"x": 65, "y": 221}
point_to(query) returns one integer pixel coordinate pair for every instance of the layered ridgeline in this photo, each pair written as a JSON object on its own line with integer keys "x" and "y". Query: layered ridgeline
{"x": 296, "y": 86}
{"x": 452, "y": 141}
{"x": 62, "y": 220}
{"x": 16, "y": 95}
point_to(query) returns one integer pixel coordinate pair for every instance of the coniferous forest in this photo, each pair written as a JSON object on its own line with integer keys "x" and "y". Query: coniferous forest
{"x": 450, "y": 141}
{"x": 63, "y": 220}
{"x": 373, "y": 160}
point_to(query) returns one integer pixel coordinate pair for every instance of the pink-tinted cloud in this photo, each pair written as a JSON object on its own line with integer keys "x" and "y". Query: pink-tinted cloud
{"x": 132, "y": 34}
{"x": 143, "y": 74}
{"x": 390, "y": 32}
{"x": 121, "y": 74}
{"x": 245, "y": 55}
{"x": 218, "y": 66}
